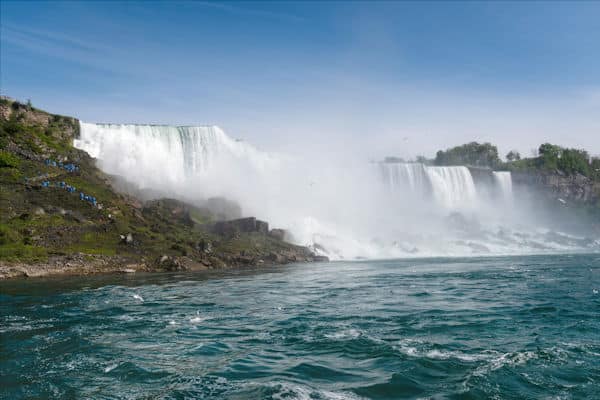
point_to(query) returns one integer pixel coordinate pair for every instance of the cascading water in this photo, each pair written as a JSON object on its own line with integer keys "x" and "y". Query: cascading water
{"x": 167, "y": 157}
{"x": 503, "y": 180}
{"x": 403, "y": 177}
{"x": 341, "y": 206}
{"x": 452, "y": 187}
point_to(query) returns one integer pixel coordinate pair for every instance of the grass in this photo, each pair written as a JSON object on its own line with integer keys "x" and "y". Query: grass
{"x": 8, "y": 160}
{"x": 18, "y": 252}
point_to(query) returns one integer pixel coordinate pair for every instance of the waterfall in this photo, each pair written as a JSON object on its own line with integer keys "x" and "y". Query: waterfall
{"x": 400, "y": 177}
{"x": 503, "y": 180}
{"x": 344, "y": 208}
{"x": 160, "y": 155}
{"x": 452, "y": 187}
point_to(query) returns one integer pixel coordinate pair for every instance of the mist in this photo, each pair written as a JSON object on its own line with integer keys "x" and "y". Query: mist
{"x": 337, "y": 201}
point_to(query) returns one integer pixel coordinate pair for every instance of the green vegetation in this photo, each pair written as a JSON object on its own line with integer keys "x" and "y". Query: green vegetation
{"x": 513, "y": 155}
{"x": 472, "y": 154}
{"x": 8, "y": 160}
{"x": 39, "y": 222}
{"x": 553, "y": 158}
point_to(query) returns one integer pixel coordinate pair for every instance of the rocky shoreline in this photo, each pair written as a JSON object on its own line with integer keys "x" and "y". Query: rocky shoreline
{"x": 85, "y": 264}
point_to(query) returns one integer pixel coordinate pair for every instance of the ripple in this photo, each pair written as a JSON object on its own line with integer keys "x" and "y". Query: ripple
{"x": 450, "y": 328}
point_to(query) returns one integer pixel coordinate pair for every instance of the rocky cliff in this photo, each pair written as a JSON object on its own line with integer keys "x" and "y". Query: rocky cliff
{"x": 59, "y": 214}
{"x": 569, "y": 188}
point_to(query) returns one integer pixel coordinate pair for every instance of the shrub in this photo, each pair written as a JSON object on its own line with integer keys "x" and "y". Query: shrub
{"x": 8, "y": 160}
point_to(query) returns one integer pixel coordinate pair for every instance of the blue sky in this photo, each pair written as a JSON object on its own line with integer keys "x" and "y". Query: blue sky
{"x": 383, "y": 78}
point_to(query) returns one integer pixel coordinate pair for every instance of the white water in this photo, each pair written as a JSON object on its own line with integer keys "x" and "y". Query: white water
{"x": 156, "y": 156}
{"x": 452, "y": 187}
{"x": 401, "y": 177}
{"x": 345, "y": 207}
{"x": 503, "y": 180}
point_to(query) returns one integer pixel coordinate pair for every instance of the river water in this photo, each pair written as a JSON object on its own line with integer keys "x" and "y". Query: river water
{"x": 470, "y": 328}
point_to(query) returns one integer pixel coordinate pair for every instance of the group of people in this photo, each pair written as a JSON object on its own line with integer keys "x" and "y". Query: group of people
{"x": 89, "y": 199}
{"x": 72, "y": 189}
{"x": 67, "y": 187}
{"x": 69, "y": 166}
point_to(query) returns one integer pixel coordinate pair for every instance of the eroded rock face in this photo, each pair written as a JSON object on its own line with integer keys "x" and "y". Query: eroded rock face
{"x": 576, "y": 188}
{"x": 279, "y": 234}
{"x": 242, "y": 225}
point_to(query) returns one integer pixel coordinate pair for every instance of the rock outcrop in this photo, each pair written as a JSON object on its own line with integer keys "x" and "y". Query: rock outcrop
{"x": 234, "y": 227}
{"x": 573, "y": 188}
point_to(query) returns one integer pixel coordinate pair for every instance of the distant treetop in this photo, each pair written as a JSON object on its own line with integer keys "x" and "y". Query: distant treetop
{"x": 473, "y": 154}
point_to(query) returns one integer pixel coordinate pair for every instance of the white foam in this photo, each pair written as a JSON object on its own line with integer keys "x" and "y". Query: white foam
{"x": 110, "y": 368}
{"x": 137, "y": 297}
{"x": 299, "y": 392}
{"x": 344, "y": 334}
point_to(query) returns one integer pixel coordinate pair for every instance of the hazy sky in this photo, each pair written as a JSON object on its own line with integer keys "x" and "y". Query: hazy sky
{"x": 382, "y": 78}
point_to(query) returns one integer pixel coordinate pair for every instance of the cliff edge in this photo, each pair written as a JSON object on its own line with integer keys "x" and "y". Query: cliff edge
{"x": 59, "y": 214}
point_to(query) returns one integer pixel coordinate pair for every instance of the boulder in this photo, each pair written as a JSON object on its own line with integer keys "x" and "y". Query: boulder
{"x": 261, "y": 227}
{"x": 279, "y": 234}
{"x": 204, "y": 246}
{"x": 169, "y": 263}
{"x": 126, "y": 239}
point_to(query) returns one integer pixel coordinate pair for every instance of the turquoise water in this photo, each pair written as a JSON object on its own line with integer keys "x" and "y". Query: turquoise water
{"x": 505, "y": 328}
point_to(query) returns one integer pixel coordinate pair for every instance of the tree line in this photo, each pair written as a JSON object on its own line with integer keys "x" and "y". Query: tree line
{"x": 549, "y": 157}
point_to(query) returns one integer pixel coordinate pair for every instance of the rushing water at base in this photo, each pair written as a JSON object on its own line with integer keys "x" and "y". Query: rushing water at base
{"x": 513, "y": 327}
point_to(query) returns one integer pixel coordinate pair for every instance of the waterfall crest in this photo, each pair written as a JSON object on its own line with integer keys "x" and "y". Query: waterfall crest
{"x": 155, "y": 155}
{"x": 400, "y": 177}
{"x": 452, "y": 187}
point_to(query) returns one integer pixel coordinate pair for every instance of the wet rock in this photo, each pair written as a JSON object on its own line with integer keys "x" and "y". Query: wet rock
{"x": 126, "y": 239}
{"x": 204, "y": 246}
{"x": 279, "y": 234}
{"x": 169, "y": 263}
{"x": 217, "y": 262}
{"x": 276, "y": 258}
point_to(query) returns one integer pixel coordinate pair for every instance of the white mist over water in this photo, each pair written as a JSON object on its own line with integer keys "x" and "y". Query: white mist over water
{"x": 343, "y": 208}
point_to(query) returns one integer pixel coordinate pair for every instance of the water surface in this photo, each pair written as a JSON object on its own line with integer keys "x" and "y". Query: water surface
{"x": 513, "y": 327}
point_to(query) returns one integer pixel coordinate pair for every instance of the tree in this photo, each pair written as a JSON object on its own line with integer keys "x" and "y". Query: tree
{"x": 513, "y": 155}
{"x": 392, "y": 159}
{"x": 475, "y": 154}
{"x": 549, "y": 155}
{"x": 422, "y": 160}
{"x": 595, "y": 168}
{"x": 574, "y": 161}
